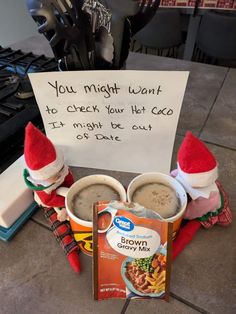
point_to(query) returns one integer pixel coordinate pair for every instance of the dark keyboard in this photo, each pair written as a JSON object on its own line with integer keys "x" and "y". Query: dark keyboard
{"x": 17, "y": 103}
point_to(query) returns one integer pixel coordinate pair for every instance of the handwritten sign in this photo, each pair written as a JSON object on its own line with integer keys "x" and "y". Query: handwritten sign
{"x": 116, "y": 120}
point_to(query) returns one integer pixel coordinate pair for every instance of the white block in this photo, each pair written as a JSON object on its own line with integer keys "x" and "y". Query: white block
{"x": 15, "y": 197}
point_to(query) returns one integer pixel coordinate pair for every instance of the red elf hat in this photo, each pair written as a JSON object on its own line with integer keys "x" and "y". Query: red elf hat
{"x": 196, "y": 164}
{"x": 42, "y": 159}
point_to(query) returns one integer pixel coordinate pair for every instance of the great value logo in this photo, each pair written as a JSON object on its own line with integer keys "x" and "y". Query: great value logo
{"x": 123, "y": 223}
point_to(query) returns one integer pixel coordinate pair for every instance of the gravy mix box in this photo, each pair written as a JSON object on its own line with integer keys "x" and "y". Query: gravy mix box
{"x": 131, "y": 252}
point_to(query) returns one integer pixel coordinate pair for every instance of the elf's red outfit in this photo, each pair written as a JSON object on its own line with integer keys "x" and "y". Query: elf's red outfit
{"x": 45, "y": 173}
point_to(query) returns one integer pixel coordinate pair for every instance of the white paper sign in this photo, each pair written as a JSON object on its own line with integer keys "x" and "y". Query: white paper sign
{"x": 116, "y": 120}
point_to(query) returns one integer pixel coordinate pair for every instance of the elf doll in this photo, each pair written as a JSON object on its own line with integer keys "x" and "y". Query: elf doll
{"x": 45, "y": 173}
{"x": 197, "y": 171}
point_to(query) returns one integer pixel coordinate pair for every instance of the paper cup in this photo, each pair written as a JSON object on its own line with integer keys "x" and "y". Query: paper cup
{"x": 156, "y": 177}
{"x": 82, "y": 229}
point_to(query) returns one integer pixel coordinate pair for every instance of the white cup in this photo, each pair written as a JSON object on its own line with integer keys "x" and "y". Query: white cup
{"x": 82, "y": 229}
{"x": 157, "y": 177}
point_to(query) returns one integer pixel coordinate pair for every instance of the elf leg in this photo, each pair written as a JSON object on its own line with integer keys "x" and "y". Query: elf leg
{"x": 63, "y": 234}
{"x": 185, "y": 235}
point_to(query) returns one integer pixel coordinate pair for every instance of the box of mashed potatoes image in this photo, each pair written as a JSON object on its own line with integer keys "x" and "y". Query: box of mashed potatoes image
{"x": 131, "y": 252}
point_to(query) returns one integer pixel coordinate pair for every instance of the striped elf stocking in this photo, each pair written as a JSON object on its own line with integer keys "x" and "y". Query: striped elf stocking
{"x": 63, "y": 234}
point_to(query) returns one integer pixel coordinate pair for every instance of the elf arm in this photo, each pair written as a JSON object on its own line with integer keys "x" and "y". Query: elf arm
{"x": 201, "y": 206}
{"x": 69, "y": 180}
{"x": 52, "y": 199}
{"x": 222, "y": 216}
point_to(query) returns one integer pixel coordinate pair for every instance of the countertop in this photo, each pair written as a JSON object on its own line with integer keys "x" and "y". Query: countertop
{"x": 35, "y": 275}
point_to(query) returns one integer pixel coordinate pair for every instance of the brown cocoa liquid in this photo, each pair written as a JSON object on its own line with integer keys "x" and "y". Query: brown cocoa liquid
{"x": 158, "y": 197}
{"x": 82, "y": 202}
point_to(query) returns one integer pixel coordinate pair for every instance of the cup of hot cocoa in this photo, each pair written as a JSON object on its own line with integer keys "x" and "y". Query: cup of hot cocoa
{"x": 79, "y": 200}
{"x": 160, "y": 193}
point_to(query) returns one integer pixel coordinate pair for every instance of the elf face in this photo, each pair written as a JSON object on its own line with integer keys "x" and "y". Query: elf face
{"x": 56, "y": 176}
{"x": 56, "y": 180}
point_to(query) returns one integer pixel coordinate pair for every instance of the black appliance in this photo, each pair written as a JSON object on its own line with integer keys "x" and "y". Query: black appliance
{"x": 17, "y": 103}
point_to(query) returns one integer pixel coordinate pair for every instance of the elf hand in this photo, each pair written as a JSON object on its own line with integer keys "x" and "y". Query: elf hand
{"x": 61, "y": 213}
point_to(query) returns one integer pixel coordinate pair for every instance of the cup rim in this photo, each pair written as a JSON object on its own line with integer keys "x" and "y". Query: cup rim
{"x": 170, "y": 181}
{"x": 120, "y": 190}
